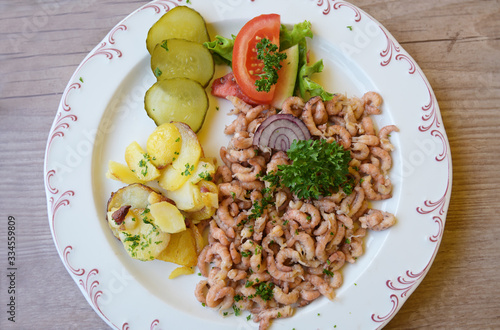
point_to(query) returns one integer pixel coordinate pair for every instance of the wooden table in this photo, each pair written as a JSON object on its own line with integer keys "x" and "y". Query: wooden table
{"x": 456, "y": 43}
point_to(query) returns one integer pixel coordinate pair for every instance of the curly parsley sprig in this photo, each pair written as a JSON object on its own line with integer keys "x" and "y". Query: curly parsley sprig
{"x": 318, "y": 169}
{"x": 268, "y": 53}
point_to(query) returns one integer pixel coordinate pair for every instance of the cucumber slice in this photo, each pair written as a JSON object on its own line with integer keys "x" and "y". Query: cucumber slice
{"x": 286, "y": 77}
{"x": 179, "y": 58}
{"x": 180, "y": 22}
{"x": 177, "y": 99}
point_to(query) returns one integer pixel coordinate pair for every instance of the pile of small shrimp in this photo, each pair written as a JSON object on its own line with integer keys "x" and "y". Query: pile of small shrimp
{"x": 269, "y": 251}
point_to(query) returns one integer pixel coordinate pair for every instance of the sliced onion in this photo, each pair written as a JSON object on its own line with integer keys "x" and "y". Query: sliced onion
{"x": 279, "y": 131}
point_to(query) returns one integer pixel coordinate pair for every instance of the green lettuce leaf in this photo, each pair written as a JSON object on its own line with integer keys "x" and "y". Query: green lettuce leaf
{"x": 307, "y": 85}
{"x": 222, "y": 49}
{"x": 297, "y": 35}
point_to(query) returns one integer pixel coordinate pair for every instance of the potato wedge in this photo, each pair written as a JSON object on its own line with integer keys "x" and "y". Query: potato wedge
{"x": 181, "y": 271}
{"x": 200, "y": 241}
{"x": 203, "y": 171}
{"x": 187, "y": 197}
{"x": 179, "y": 22}
{"x": 177, "y": 99}
{"x": 164, "y": 145}
{"x": 181, "y": 249}
{"x": 136, "y": 195}
{"x": 145, "y": 242}
{"x": 203, "y": 214}
{"x": 179, "y": 58}
{"x": 139, "y": 162}
{"x": 120, "y": 172}
{"x": 167, "y": 217}
{"x": 140, "y": 237}
{"x": 178, "y": 173}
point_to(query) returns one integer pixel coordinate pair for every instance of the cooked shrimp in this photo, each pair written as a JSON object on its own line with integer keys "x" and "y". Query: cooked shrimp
{"x": 368, "y": 127}
{"x": 293, "y": 105}
{"x": 321, "y": 285}
{"x": 241, "y": 140}
{"x": 239, "y": 105}
{"x": 369, "y": 140}
{"x": 308, "y": 118}
{"x": 370, "y": 193}
{"x": 372, "y": 102}
{"x": 218, "y": 233}
{"x": 238, "y": 125}
{"x": 383, "y": 135}
{"x": 377, "y": 220}
{"x": 337, "y": 260}
{"x": 224, "y": 214}
{"x": 360, "y": 151}
{"x": 264, "y": 318}
{"x": 384, "y": 156}
{"x": 279, "y": 158}
{"x": 247, "y": 174}
{"x": 297, "y": 270}
{"x": 256, "y": 112}
{"x": 340, "y": 134}
{"x": 200, "y": 291}
{"x": 235, "y": 255}
{"x": 321, "y": 243}
{"x": 286, "y": 298}
{"x": 284, "y": 255}
{"x": 220, "y": 295}
{"x": 335, "y": 105}
{"x": 223, "y": 172}
{"x": 239, "y": 156}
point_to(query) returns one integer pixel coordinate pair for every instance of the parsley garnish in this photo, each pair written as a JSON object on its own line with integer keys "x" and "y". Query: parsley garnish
{"x": 349, "y": 27}
{"x": 188, "y": 170}
{"x": 164, "y": 45}
{"x": 268, "y": 53}
{"x": 205, "y": 176}
{"x": 260, "y": 205}
{"x": 246, "y": 254}
{"x": 157, "y": 72}
{"x": 237, "y": 310}
{"x": 327, "y": 272}
{"x": 265, "y": 290}
{"x": 81, "y": 79}
{"x": 318, "y": 169}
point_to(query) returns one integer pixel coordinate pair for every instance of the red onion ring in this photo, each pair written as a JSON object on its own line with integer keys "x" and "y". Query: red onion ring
{"x": 279, "y": 131}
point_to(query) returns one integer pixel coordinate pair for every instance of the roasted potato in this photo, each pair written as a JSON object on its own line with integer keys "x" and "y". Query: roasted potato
{"x": 181, "y": 249}
{"x": 120, "y": 172}
{"x": 164, "y": 144}
{"x": 130, "y": 221}
{"x": 139, "y": 162}
{"x": 187, "y": 197}
{"x": 182, "y": 168}
{"x": 167, "y": 217}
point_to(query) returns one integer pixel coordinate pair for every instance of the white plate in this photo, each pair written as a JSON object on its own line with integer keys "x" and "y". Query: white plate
{"x": 101, "y": 112}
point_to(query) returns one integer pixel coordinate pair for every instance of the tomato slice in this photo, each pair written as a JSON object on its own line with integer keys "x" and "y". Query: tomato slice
{"x": 246, "y": 66}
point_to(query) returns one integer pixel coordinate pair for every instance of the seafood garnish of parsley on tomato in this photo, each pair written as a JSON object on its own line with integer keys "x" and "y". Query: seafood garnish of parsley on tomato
{"x": 269, "y": 62}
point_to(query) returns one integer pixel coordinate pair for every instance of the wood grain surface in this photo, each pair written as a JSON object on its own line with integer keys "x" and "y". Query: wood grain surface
{"x": 456, "y": 43}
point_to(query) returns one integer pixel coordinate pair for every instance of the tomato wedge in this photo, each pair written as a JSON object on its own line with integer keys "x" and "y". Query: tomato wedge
{"x": 246, "y": 66}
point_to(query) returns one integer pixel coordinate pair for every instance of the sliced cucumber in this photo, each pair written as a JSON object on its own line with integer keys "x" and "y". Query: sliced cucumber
{"x": 177, "y": 99}
{"x": 179, "y": 58}
{"x": 180, "y": 22}
{"x": 286, "y": 77}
